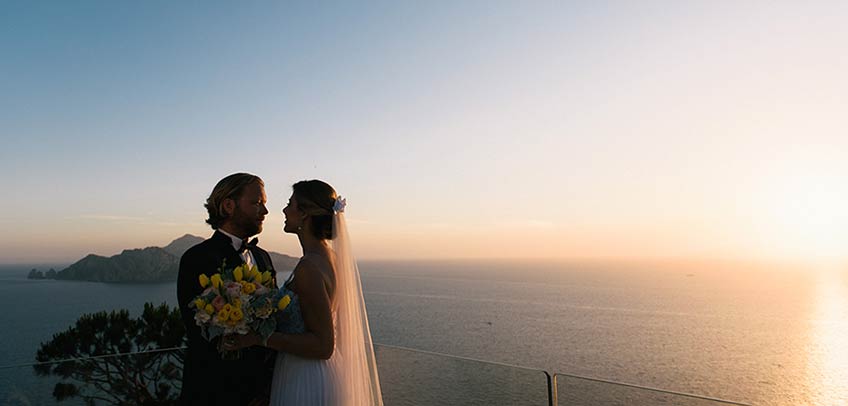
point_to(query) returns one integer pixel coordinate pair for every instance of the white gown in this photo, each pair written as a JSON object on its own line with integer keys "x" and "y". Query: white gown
{"x": 298, "y": 380}
{"x": 302, "y": 381}
{"x": 349, "y": 377}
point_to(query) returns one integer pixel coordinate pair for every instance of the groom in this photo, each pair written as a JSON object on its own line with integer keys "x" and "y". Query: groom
{"x": 236, "y": 210}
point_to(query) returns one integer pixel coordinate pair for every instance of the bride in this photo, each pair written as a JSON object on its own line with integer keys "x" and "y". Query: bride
{"x": 325, "y": 352}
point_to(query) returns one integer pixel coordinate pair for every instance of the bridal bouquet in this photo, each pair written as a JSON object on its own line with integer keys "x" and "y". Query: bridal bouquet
{"x": 235, "y": 301}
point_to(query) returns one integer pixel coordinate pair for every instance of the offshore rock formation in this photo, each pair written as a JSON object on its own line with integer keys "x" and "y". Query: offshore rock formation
{"x": 36, "y": 274}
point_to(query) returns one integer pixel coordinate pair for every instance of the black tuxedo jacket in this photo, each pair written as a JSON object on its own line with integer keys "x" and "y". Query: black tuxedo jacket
{"x": 207, "y": 379}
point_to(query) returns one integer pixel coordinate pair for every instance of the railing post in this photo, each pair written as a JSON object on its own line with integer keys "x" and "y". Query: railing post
{"x": 552, "y": 389}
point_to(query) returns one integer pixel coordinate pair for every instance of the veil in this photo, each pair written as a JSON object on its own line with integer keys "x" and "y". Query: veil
{"x": 354, "y": 354}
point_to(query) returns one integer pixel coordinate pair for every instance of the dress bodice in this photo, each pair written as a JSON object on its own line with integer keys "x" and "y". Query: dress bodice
{"x": 290, "y": 320}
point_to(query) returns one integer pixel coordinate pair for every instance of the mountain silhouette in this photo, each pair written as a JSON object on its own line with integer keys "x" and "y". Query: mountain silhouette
{"x": 179, "y": 246}
{"x": 146, "y": 265}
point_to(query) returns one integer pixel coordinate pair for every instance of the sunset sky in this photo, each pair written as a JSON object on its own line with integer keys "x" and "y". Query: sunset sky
{"x": 479, "y": 129}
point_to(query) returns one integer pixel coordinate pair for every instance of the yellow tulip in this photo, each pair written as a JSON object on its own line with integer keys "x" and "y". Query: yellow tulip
{"x": 204, "y": 280}
{"x": 284, "y": 302}
{"x": 236, "y": 304}
{"x": 216, "y": 281}
{"x": 266, "y": 276}
{"x": 254, "y": 271}
{"x": 248, "y": 288}
{"x": 199, "y": 303}
{"x": 238, "y": 274}
{"x": 209, "y": 309}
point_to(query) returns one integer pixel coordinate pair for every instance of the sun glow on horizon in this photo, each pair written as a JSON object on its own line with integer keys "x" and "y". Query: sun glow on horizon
{"x": 805, "y": 213}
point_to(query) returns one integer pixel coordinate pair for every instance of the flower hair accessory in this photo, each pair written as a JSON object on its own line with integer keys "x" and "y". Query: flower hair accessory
{"x": 339, "y": 205}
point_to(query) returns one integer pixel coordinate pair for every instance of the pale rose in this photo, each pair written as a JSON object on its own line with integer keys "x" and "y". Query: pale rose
{"x": 261, "y": 289}
{"x": 218, "y": 302}
{"x": 233, "y": 289}
{"x": 201, "y": 318}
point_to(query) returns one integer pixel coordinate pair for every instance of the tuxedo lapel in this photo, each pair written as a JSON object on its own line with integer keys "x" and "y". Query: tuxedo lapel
{"x": 261, "y": 261}
{"x": 224, "y": 245}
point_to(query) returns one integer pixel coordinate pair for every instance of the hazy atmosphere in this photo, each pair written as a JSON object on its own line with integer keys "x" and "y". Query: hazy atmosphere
{"x": 471, "y": 130}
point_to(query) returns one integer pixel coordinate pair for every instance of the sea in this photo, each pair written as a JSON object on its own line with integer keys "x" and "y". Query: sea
{"x": 761, "y": 334}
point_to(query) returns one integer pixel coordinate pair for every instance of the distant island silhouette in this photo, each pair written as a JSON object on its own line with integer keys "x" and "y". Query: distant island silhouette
{"x": 140, "y": 265}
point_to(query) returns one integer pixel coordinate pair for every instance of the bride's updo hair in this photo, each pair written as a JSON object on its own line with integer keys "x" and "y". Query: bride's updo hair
{"x": 316, "y": 198}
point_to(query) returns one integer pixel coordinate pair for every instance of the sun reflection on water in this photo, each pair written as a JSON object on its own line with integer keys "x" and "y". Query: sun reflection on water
{"x": 829, "y": 346}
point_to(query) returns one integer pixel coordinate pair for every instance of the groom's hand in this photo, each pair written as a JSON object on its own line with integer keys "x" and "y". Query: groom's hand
{"x": 234, "y": 342}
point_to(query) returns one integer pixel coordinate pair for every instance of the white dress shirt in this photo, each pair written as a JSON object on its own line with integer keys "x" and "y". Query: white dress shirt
{"x": 247, "y": 256}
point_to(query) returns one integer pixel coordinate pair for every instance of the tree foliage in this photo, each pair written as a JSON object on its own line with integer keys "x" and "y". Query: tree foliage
{"x": 89, "y": 369}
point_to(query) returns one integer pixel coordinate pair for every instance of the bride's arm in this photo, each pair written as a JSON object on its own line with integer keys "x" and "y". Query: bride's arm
{"x": 318, "y": 341}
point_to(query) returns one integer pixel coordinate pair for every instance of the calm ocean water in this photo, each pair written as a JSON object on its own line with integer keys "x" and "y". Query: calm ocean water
{"x": 761, "y": 335}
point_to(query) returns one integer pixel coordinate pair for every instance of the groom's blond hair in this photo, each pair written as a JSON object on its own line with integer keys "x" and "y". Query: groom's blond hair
{"x": 230, "y": 187}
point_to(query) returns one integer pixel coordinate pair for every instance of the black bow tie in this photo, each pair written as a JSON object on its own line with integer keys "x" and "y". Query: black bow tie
{"x": 247, "y": 245}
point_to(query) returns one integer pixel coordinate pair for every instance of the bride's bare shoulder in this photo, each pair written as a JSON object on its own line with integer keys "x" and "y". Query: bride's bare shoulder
{"x": 313, "y": 269}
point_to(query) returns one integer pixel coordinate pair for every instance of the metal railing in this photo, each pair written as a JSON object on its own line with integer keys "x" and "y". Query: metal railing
{"x": 606, "y": 392}
{"x": 620, "y": 393}
{"x": 416, "y": 377}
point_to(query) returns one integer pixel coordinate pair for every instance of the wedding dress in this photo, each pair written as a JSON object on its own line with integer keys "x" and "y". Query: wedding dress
{"x": 349, "y": 377}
